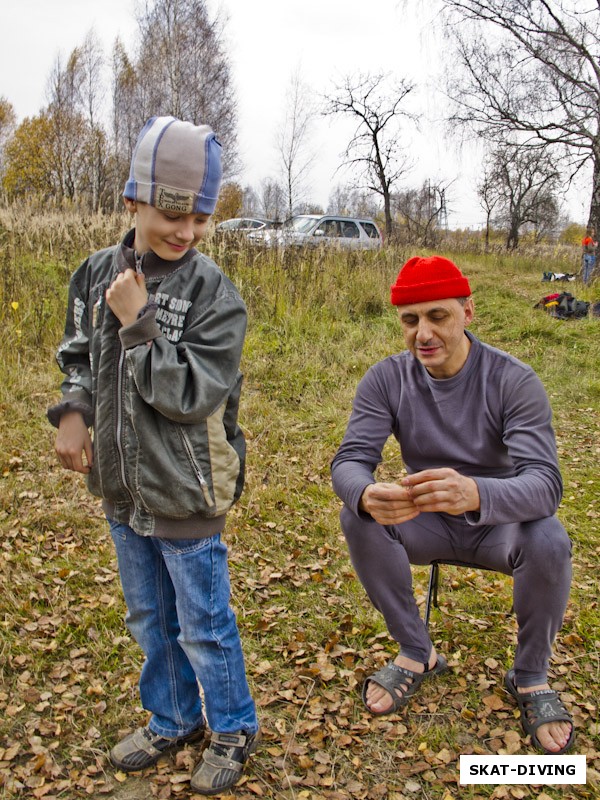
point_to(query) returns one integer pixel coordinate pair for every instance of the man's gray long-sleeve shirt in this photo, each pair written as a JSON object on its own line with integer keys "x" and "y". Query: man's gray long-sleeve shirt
{"x": 492, "y": 422}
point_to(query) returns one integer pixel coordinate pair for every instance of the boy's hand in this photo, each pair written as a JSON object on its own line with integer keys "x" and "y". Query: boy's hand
{"x": 388, "y": 503}
{"x": 72, "y": 440}
{"x": 127, "y": 295}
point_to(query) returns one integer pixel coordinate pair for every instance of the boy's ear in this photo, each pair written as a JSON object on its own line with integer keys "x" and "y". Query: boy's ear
{"x": 130, "y": 205}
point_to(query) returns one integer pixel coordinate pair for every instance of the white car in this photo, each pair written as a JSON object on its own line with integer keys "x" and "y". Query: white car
{"x": 243, "y": 225}
{"x": 322, "y": 229}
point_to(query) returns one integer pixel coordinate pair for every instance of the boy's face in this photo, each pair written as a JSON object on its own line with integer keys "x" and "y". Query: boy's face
{"x": 168, "y": 234}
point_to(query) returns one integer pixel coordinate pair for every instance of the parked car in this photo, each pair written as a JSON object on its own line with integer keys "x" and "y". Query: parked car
{"x": 326, "y": 229}
{"x": 243, "y": 224}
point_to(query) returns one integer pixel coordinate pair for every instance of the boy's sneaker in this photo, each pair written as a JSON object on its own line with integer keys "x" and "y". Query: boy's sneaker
{"x": 143, "y": 747}
{"x": 222, "y": 762}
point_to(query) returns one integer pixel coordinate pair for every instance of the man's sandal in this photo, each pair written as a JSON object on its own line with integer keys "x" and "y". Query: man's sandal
{"x": 400, "y": 683}
{"x": 222, "y": 762}
{"x": 143, "y": 747}
{"x": 539, "y": 708}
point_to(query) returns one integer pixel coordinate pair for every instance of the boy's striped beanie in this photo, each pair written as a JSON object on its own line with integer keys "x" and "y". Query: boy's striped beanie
{"x": 176, "y": 166}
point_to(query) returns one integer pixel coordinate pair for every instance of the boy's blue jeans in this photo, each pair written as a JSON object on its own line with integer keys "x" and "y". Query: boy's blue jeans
{"x": 177, "y": 596}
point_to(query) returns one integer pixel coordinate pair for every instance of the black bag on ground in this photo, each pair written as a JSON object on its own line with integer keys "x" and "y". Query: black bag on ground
{"x": 571, "y": 308}
{"x": 564, "y": 306}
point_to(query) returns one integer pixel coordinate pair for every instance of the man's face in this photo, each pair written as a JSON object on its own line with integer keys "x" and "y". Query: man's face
{"x": 168, "y": 234}
{"x": 434, "y": 333}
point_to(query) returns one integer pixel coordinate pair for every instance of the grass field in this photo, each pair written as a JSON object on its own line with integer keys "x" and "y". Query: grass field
{"x": 68, "y": 669}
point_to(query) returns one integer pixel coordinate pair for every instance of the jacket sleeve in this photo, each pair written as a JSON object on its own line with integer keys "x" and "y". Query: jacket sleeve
{"x": 73, "y": 355}
{"x": 186, "y": 381}
{"x": 360, "y": 453}
{"x": 535, "y": 491}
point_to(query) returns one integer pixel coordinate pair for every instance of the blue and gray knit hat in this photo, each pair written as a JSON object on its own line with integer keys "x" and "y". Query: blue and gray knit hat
{"x": 176, "y": 166}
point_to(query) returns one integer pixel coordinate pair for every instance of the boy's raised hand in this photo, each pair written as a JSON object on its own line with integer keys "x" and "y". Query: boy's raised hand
{"x": 72, "y": 441}
{"x": 127, "y": 295}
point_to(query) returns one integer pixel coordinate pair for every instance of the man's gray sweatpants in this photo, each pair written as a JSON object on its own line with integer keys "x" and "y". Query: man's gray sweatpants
{"x": 537, "y": 554}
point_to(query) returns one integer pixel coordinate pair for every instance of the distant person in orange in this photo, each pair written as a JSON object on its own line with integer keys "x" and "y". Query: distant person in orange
{"x": 589, "y": 246}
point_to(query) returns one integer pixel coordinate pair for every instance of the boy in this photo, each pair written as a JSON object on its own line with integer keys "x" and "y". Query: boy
{"x": 151, "y": 353}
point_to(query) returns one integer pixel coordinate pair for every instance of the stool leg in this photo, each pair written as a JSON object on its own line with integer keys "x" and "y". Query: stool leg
{"x": 432, "y": 590}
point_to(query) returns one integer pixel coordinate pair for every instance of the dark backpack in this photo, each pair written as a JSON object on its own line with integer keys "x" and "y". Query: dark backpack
{"x": 564, "y": 306}
{"x": 571, "y": 308}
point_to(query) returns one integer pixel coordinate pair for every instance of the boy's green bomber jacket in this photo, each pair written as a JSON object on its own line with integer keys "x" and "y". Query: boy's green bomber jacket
{"x": 161, "y": 394}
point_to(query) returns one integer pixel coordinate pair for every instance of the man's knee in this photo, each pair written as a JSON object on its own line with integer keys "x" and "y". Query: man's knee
{"x": 547, "y": 548}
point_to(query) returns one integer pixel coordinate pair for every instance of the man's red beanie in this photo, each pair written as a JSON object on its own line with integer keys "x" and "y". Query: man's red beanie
{"x": 424, "y": 279}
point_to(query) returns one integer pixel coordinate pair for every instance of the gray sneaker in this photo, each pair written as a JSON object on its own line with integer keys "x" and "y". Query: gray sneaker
{"x": 143, "y": 747}
{"x": 222, "y": 762}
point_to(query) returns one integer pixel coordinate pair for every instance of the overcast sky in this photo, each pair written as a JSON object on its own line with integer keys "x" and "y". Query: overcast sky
{"x": 268, "y": 41}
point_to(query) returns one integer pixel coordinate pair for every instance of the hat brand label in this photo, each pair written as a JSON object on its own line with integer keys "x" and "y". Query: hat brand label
{"x": 174, "y": 200}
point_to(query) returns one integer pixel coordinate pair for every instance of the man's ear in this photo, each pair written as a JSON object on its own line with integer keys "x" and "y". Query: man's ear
{"x": 130, "y": 205}
{"x": 469, "y": 309}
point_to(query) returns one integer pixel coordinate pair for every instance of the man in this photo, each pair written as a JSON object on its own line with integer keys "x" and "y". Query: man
{"x": 483, "y": 485}
{"x": 589, "y": 247}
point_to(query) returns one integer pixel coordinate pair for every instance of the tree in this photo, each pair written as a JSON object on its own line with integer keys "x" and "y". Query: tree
{"x": 7, "y": 125}
{"x": 28, "y": 170}
{"x": 346, "y": 199}
{"x": 292, "y": 141}
{"x": 532, "y": 68}
{"x": 64, "y": 147}
{"x": 76, "y": 148}
{"x": 182, "y": 69}
{"x": 341, "y": 200}
{"x": 124, "y": 120}
{"x": 89, "y": 63}
{"x": 521, "y": 184}
{"x": 422, "y": 211}
{"x": 374, "y": 148}
{"x": 488, "y": 200}
{"x": 230, "y": 201}
{"x": 271, "y": 196}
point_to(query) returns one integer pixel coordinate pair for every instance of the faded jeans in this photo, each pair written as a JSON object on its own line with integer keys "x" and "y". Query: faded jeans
{"x": 589, "y": 262}
{"x": 177, "y": 595}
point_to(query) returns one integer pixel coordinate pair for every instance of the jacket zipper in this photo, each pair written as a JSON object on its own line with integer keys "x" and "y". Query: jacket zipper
{"x": 119, "y": 404}
{"x": 119, "y": 424}
{"x": 201, "y": 479}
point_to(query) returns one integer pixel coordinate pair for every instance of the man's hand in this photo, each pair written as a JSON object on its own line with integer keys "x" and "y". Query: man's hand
{"x": 388, "y": 503}
{"x": 127, "y": 295}
{"x": 72, "y": 441}
{"x": 442, "y": 490}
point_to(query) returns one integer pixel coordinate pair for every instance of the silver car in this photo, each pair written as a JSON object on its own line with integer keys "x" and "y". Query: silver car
{"x": 323, "y": 229}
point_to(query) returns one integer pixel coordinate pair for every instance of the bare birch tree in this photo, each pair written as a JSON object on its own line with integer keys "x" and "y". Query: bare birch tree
{"x": 422, "y": 211}
{"x": 375, "y": 148}
{"x": 532, "y": 68}
{"x": 521, "y": 182}
{"x": 182, "y": 69}
{"x": 292, "y": 141}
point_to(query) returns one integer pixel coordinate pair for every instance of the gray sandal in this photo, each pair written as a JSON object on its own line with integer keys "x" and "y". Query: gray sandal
{"x": 539, "y": 708}
{"x": 396, "y": 679}
{"x": 143, "y": 747}
{"x": 222, "y": 762}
